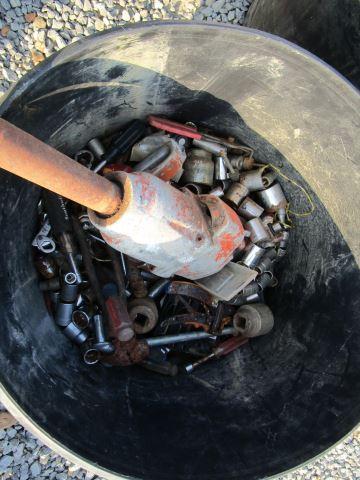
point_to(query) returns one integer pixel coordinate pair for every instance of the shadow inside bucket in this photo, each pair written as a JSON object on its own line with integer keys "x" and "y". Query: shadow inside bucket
{"x": 230, "y": 419}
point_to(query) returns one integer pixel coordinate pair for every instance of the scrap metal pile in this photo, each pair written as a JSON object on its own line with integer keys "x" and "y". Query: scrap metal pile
{"x": 195, "y": 242}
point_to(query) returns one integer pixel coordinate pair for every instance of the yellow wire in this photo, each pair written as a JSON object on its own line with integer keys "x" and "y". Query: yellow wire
{"x": 305, "y": 192}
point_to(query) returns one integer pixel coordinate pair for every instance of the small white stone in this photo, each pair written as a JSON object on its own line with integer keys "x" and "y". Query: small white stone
{"x": 125, "y": 16}
{"x": 231, "y": 15}
{"x": 87, "y": 6}
{"x": 15, "y": 3}
{"x": 99, "y": 24}
{"x": 5, "y": 462}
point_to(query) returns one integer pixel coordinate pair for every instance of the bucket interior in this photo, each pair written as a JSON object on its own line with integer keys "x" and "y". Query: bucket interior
{"x": 274, "y": 403}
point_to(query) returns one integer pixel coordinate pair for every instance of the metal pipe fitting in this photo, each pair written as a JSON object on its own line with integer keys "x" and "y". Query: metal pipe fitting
{"x": 253, "y": 320}
{"x": 250, "y": 209}
{"x": 185, "y": 337}
{"x": 74, "y": 333}
{"x": 63, "y": 313}
{"x": 236, "y": 193}
{"x": 100, "y": 340}
{"x": 143, "y": 313}
{"x": 199, "y": 168}
{"x": 258, "y": 231}
{"x": 69, "y": 288}
{"x": 272, "y": 198}
{"x": 29, "y": 158}
{"x": 96, "y": 147}
{"x": 220, "y": 168}
{"x": 252, "y": 256}
{"x": 254, "y": 180}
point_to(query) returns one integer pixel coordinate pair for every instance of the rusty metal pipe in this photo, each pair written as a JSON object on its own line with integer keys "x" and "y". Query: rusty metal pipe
{"x": 29, "y": 158}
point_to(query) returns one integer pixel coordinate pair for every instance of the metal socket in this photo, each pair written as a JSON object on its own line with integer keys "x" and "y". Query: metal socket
{"x": 254, "y": 180}
{"x": 63, "y": 313}
{"x": 69, "y": 288}
{"x": 85, "y": 157}
{"x": 96, "y": 147}
{"x": 253, "y": 320}
{"x": 220, "y": 169}
{"x": 265, "y": 265}
{"x": 258, "y": 231}
{"x": 91, "y": 356}
{"x": 273, "y": 198}
{"x": 199, "y": 168}
{"x": 250, "y": 209}
{"x": 76, "y": 334}
{"x": 265, "y": 280}
{"x": 242, "y": 163}
{"x": 252, "y": 256}
{"x": 144, "y": 314}
{"x": 236, "y": 193}
{"x": 80, "y": 318}
{"x": 284, "y": 241}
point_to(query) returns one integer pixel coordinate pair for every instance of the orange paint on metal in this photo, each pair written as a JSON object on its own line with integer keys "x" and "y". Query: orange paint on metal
{"x": 228, "y": 243}
{"x": 29, "y": 158}
{"x": 171, "y": 168}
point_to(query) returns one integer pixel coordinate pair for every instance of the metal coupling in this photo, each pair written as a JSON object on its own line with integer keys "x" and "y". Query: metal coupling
{"x": 75, "y": 333}
{"x": 96, "y": 147}
{"x": 252, "y": 256}
{"x": 253, "y": 320}
{"x": 144, "y": 314}
{"x": 273, "y": 198}
{"x": 255, "y": 180}
{"x": 220, "y": 169}
{"x": 63, "y": 313}
{"x": 241, "y": 163}
{"x": 258, "y": 231}
{"x": 250, "y": 209}
{"x": 199, "y": 168}
{"x": 100, "y": 340}
{"x": 69, "y": 288}
{"x": 236, "y": 193}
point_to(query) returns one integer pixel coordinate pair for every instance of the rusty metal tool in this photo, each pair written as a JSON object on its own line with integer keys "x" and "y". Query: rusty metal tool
{"x": 223, "y": 349}
{"x": 182, "y": 237}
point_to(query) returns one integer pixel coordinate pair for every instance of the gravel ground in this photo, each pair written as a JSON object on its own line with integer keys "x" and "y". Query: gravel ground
{"x": 31, "y": 30}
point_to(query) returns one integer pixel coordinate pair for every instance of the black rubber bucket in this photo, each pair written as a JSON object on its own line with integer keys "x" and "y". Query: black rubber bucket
{"x": 273, "y": 404}
{"x": 330, "y": 29}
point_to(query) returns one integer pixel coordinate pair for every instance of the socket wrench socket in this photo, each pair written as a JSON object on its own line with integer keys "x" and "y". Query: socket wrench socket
{"x": 258, "y": 231}
{"x": 69, "y": 288}
{"x": 253, "y": 320}
{"x": 76, "y": 334}
{"x": 63, "y": 313}
{"x": 252, "y": 256}
{"x": 198, "y": 168}
{"x": 272, "y": 198}
{"x": 144, "y": 314}
{"x": 250, "y": 209}
{"x": 220, "y": 169}
{"x": 236, "y": 193}
{"x": 254, "y": 180}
